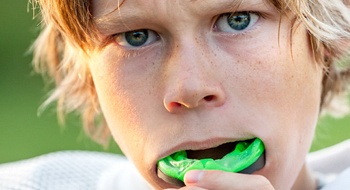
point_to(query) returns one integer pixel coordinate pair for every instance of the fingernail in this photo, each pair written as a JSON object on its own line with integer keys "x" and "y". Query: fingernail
{"x": 193, "y": 176}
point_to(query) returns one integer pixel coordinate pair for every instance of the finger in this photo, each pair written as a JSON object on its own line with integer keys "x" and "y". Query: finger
{"x": 219, "y": 180}
{"x": 188, "y": 188}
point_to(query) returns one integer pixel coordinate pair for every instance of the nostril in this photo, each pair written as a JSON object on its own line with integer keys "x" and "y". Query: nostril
{"x": 175, "y": 104}
{"x": 209, "y": 98}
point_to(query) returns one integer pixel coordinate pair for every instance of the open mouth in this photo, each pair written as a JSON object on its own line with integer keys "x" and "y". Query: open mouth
{"x": 242, "y": 156}
{"x": 213, "y": 153}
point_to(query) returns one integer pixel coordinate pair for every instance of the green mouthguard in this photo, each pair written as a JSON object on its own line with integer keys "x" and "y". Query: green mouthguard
{"x": 244, "y": 155}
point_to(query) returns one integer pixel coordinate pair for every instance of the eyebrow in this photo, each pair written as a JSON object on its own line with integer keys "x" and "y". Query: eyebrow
{"x": 118, "y": 17}
{"x": 107, "y": 22}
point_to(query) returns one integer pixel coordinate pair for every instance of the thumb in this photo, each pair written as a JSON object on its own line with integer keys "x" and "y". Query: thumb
{"x": 213, "y": 179}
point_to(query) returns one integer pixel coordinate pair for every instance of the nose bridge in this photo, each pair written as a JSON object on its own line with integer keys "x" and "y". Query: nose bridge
{"x": 190, "y": 78}
{"x": 187, "y": 65}
{"x": 190, "y": 53}
{"x": 189, "y": 58}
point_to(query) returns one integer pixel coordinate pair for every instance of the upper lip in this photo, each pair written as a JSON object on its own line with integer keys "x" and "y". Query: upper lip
{"x": 201, "y": 145}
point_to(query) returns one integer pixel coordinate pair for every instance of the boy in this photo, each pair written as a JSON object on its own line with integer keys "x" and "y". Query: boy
{"x": 165, "y": 76}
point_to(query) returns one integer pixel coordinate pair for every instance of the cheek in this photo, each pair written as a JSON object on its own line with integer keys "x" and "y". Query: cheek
{"x": 281, "y": 88}
{"x": 275, "y": 74}
{"x": 288, "y": 88}
{"x": 287, "y": 94}
{"x": 126, "y": 95}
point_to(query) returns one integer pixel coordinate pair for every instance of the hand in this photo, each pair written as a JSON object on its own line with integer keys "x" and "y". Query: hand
{"x": 219, "y": 180}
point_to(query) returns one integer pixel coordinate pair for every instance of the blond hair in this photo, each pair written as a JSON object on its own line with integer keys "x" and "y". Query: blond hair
{"x": 68, "y": 35}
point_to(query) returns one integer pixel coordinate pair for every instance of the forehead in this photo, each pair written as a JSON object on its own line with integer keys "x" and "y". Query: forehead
{"x": 103, "y": 7}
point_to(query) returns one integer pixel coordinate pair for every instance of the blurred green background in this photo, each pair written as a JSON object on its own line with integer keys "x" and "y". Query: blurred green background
{"x": 23, "y": 134}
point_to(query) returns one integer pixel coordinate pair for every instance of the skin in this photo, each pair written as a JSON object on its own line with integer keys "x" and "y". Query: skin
{"x": 197, "y": 87}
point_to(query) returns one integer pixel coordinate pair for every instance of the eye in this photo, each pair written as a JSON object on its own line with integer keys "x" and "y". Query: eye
{"x": 136, "y": 38}
{"x": 236, "y": 22}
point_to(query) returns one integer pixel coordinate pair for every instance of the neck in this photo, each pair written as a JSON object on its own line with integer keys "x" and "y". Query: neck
{"x": 305, "y": 180}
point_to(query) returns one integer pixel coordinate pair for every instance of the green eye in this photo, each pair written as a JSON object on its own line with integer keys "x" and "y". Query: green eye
{"x": 236, "y": 22}
{"x": 136, "y": 38}
{"x": 239, "y": 21}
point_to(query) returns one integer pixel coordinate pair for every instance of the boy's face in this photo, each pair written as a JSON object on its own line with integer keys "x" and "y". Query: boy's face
{"x": 192, "y": 77}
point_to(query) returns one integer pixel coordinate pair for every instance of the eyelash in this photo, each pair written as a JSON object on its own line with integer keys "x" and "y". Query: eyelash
{"x": 134, "y": 51}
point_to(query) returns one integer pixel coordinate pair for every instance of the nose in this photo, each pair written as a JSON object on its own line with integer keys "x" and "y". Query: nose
{"x": 191, "y": 80}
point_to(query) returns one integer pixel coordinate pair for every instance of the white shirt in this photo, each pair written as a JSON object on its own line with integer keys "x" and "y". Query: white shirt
{"x": 332, "y": 166}
{"x": 81, "y": 170}
{"x": 72, "y": 170}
